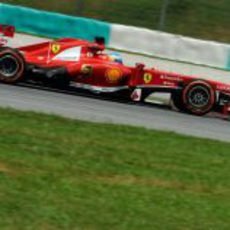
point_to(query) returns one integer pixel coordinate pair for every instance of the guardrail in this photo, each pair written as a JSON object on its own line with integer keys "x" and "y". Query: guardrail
{"x": 169, "y": 46}
{"x": 53, "y": 25}
{"x": 127, "y": 38}
{"x": 228, "y": 60}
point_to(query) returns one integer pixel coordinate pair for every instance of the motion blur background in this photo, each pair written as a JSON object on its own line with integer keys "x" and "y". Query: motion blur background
{"x": 205, "y": 19}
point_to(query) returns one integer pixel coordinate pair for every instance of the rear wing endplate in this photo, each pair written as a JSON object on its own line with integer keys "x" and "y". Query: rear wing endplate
{"x": 6, "y": 32}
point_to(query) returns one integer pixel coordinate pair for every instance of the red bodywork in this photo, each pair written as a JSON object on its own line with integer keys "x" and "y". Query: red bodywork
{"x": 5, "y": 33}
{"x": 95, "y": 68}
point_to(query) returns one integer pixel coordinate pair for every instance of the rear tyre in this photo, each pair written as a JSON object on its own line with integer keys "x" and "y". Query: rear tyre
{"x": 197, "y": 97}
{"x": 12, "y": 65}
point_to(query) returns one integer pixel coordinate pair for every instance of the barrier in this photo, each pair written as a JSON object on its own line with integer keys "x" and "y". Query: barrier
{"x": 127, "y": 38}
{"x": 52, "y": 24}
{"x": 228, "y": 60}
{"x": 174, "y": 47}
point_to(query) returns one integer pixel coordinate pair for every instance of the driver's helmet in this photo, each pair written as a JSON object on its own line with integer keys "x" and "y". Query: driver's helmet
{"x": 115, "y": 57}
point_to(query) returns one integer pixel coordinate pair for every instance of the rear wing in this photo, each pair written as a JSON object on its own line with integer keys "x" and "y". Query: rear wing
{"x": 6, "y": 32}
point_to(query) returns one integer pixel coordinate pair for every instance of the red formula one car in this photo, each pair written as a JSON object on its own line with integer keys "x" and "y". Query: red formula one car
{"x": 84, "y": 64}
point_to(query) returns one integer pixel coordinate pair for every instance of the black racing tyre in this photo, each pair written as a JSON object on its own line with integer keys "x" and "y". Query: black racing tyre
{"x": 198, "y": 97}
{"x": 12, "y": 65}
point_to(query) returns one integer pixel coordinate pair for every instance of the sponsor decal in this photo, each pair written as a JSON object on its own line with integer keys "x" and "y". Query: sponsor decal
{"x": 55, "y": 48}
{"x": 223, "y": 87}
{"x": 86, "y": 69}
{"x": 168, "y": 83}
{"x": 40, "y": 58}
{"x": 170, "y": 78}
{"x": 147, "y": 78}
{"x": 113, "y": 75}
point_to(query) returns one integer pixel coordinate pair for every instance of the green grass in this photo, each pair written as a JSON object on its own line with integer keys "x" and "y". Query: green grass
{"x": 200, "y": 18}
{"x": 57, "y": 173}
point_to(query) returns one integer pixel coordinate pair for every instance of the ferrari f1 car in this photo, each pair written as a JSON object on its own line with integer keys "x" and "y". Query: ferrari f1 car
{"x": 86, "y": 65}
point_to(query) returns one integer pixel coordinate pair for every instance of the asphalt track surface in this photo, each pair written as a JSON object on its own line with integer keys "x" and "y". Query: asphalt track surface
{"x": 96, "y": 109}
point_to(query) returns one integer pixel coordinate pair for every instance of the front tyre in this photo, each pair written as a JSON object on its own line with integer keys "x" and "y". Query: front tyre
{"x": 12, "y": 65}
{"x": 198, "y": 97}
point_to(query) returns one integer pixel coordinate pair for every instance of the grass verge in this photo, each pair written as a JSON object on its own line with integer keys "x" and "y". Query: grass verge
{"x": 57, "y": 173}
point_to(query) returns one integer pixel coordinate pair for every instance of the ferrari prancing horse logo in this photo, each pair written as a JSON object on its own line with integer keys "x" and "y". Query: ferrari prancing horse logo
{"x": 55, "y": 48}
{"x": 148, "y": 78}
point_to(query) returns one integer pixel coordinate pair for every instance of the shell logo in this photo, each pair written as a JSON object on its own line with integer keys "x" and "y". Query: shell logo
{"x": 113, "y": 75}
